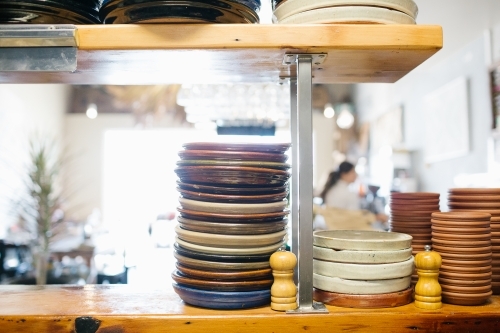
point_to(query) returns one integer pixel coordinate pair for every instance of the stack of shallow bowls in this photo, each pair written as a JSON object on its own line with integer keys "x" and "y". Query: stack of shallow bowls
{"x": 50, "y": 11}
{"x": 173, "y": 11}
{"x": 345, "y": 11}
{"x": 463, "y": 241}
{"x": 232, "y": 218}
{"x": 485, "y": 200}
{"x": 362, "y": 268}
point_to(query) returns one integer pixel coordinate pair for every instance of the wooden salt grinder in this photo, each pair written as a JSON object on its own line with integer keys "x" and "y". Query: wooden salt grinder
{"x": 283, "y": 290}
{"x": 428, "y": 289}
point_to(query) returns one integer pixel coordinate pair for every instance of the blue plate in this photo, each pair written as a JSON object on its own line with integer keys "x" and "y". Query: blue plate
{"x": 223, "y": 300}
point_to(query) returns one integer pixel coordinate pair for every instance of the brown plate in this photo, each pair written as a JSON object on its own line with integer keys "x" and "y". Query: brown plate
{"x": 466, "y": 205}
{"x": 232, "y": 218}
{"x": 224, "y": 198}
{"x": 495, "y": 219}
{"x": 454, "y": 249}
{"x": 495, "y": 234}
{"x": 219, "y": 266}
{"x": 474, "y": 191}
{"x": 464, "y": 256}
{"x": 466, "y": 263}
{"x": 484, "y": 282}
{"x": 232, "y": 228}
{"x": 411, "y": 218}
{"x": 413, "y": 207}
{"x": 364, "y": 301}
{"x": 409, "y": 229}
{"x": 491, "y": 211}
{"x": 461, "y": 230}
{"x": 463, "y": 237}
{"x": 465, "y": 276}
{"x": 231, "y": 155}
{"x": 415, "y": 201}
{"x": 231, "y": 190}
{"x": 278, "y": 148}
{"x": 240, "y": 176}
{"x": 414, "y": 195}
{"x": 473, "y": 268}
{"x": 465, "y": 301}
{"x": 461, "y": 224}
{"x": 457, "y": 215}
{"x": 412, "y": 225}
{"x": 264, "y": 274}
{"x": 406, "y": 213}
{"x": 462, "y": 243}
{"x": 466, "y": 289}
{"x": 245, "y": 285}
{"x": 474, "y": 198}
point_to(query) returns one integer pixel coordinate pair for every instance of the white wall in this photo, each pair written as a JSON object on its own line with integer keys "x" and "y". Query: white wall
{"x": 26, "y": 111}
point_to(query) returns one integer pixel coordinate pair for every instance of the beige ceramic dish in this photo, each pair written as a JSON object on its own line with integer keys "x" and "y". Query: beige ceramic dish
{"x": 229, "y": 250}
{"x": 359, "y": 287}
{"x": 232, "y": 208}
{"x": 364, "y": 271}
{"x": 361, "y": 257}
{"x": 361, "y": 240}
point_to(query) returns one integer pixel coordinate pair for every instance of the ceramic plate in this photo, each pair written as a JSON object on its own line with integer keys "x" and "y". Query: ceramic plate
{"x": 463, "y": 243}
{"x": 224, "y": 198}
{"x": 338, "y": 285}
{"x": 39, "y": 14}
{"x": 232, "y": 228}
{"x": 230, "y": 241}
{"x": 349, "y": 14}
{"x": 474, "y": 198}
{"x": 364, "y": 271}
{"x": 475, "y": 191}
{"x": 414, "y": 195}
{"x": 225, "y": 276}
{"x": 361, "y": 257}
{"x": 469, "y": 216}
{"x": 415, "y": 201}
{"x": 233, "y": 208}
{"x": 253, "y": 164}
{"x": 218, "y": 265}
{"x": 223, "y": 300}
{"x": 221, "y": 285}
{"x": 465, "y": 205}
{"x": 387, "y": 300}
{"x": 231, "y": 155}
{"x": 229, "y": 251}
{"x": 232, "y": 218}
{"x": 240, "y": 176}
{"x": 279, "y": 148}
{"x": 413, "y": 207}
{"x": 230, "y": 190}
{"x": 361, "y": 240}
{"x": 220, "y": 257}
{"x": 292, "y": 7}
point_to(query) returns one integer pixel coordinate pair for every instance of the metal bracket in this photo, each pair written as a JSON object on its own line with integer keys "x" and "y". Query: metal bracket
{"x": 315, "y": 308}
{"x": 40, "y": 48}
{"x": 291, "y": 58}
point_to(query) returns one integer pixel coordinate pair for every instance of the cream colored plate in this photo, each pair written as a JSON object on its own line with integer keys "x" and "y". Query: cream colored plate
{"x": 292, "y": 7}
{"x": 360, "y": 287}
{"x": 361, "y": 257}
{"x": 232, "y": 208}
{"x": 229, "y": 251}
{"x": 364, "y": 271}
{"x": 361, "y": 240}
{"x": 233, "y": 241}
{"x": 349, "y": 14}
{"x": 203, "y": 264}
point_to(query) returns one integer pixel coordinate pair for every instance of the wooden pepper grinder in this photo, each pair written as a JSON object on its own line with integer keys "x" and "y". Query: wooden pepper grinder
{"x": 283, "y": 290}
{"x": 428, "y": 289}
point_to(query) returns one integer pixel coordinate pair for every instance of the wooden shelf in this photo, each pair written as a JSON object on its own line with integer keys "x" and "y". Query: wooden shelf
{"x": 161, "y": 54}
{"x": 121, "y": 309}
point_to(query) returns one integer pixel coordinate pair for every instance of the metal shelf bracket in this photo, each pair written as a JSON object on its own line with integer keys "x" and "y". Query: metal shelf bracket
{"x": 38, "y": 48}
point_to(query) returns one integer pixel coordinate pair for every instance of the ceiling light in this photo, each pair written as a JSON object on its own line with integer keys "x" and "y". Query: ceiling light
{"x": 91, "y": 111}
{"x": 329, "y": 112}
{"x": 345, "y": 119}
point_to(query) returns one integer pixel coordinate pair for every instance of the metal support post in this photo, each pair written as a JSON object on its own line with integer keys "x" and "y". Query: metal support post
{"x": 294, "y": 193}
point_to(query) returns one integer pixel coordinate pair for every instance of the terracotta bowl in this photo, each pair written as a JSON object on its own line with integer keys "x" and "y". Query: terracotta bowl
{"x": 491, "y": 211}
{"x": 415, "y": 195}
{"x": 466, "y": 250}
{"x": 495, "y": 270}
{"x": 411, "y": 231}
{"x": 466, "y": 263}
{"x": 495, "y": 249}
{"x": 495, "y": 256}
{"x": 462, "y": 243}
{"x": 474, "y": 191}
{"x": 408, "y": 219}
{"x": 457, "y": 215}
{"x": 495, "y": 219}
{"x": 461, "y": 230}
{"x": 466, "y": 289}
{"x": 465, "y": 256}
{"x": 462, "y": 237}
{"x": 473, "y": 198}
{"x": 484, "y": 282}
{"x": 413, "y": 207}
{"x": 408, "y": 213}
{"x": 495, "y": 241}
{"x": 461, "y": 224}
{"x": 473, "y": 268}
{"x": 434, "y": 202}
{"x": 468, "y": 204}
{"x": 465, "y": 276}
{"x": 495, "y": 234}
{"x": 465, "y": 301}
{"x": 411, "y": 225}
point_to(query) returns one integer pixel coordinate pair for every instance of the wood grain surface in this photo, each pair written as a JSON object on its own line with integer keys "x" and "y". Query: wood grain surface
{"x": 207, "y": 53}
{"x": 124, "y": 309}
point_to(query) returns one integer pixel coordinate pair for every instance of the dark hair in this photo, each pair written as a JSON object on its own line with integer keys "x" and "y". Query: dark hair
{"x": 334, "y": 177}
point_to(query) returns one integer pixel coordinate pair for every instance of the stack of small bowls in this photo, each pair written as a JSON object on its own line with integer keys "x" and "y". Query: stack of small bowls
{"x": 463, "y": 241}
{"x": 366, "y": 269}
{"x": 411, "y": 214}
{"x": 345, "y": 11}
{"x": 485, "y": 200}
{"x": 233, "y": 216}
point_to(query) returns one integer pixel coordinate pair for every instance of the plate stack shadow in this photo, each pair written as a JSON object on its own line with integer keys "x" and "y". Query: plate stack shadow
{"x": 50, "y": 11}
{"x": 411, "y": 214}
{"x": 189, "y": 11}
{"x": 463, "y": 241}
{"x": 232, "y": 217}
{"x": 482, "y": 200}
{"x": 345, "y": 11}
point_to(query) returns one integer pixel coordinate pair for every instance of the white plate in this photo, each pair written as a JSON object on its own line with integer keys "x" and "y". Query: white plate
{"x": 349, "y": 14}
{"x": 233, "y": 241}
{"x": 361, "y": 257}
{"x": 292, "y": 7}
{"x": 232, "y": 208}
{"x": 230, "y": 251}
{"x": 360, "y": 287}
{"x": 361, "y": 240}
{"x": 364, "y": 271}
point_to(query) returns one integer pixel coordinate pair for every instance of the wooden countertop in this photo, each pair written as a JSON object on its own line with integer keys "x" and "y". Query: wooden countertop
{"x": 127, "y": 309}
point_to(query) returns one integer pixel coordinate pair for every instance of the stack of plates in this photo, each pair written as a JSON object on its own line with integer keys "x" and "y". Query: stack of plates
{"x": 463, "y": 241}
{"x": 50, "y": 11}
{"x": 345, "y": 11}
{"x": 485, "y": 200}
{"x": 176, "y": 11}
{"x": 362, "y": 268}
{"x": 233, "y": 211}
